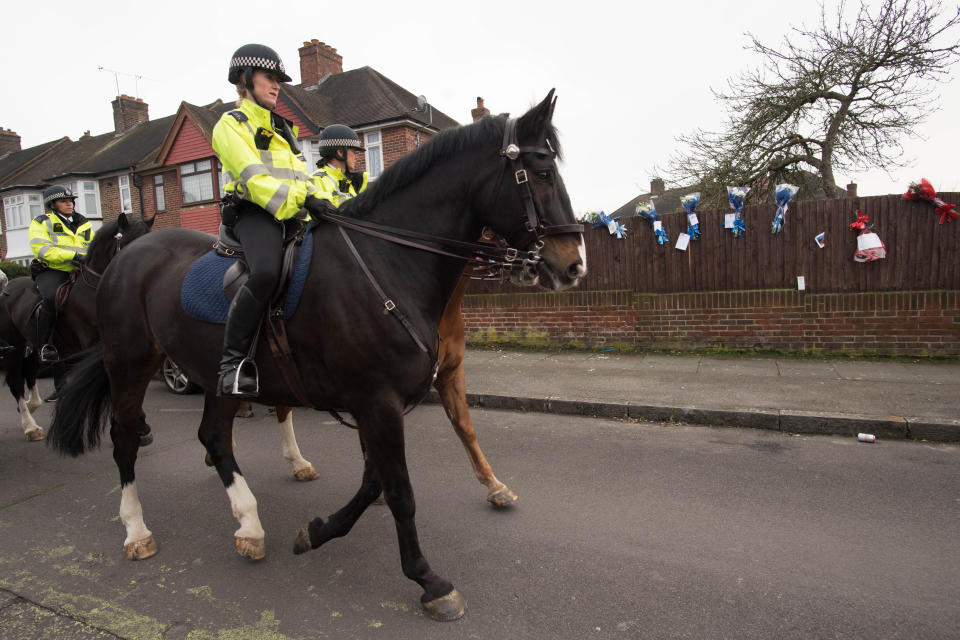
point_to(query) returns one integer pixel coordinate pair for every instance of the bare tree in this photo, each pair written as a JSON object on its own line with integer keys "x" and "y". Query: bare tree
{"x": 840, "y": 96}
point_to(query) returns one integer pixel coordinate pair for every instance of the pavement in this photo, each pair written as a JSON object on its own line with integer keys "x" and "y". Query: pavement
{"x": 899, "y": 399}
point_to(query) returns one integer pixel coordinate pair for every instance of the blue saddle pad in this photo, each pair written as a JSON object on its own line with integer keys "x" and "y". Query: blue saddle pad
{"x": 202, "y": 293}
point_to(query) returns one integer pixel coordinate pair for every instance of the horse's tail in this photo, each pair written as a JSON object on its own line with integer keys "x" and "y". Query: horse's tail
{"x": 83, "y": 406}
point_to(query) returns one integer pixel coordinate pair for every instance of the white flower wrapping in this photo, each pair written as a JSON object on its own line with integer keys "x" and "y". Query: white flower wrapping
{"x": 644, "y": 207}
{"x": 690, "y": 197}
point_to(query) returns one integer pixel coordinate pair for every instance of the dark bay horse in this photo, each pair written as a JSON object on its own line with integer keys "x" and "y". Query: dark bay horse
{"x": 353, "y": 349}
{"x": 76, "y": 320}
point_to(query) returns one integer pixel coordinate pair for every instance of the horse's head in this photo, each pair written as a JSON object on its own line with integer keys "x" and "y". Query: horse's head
{"x": 530, "y": 206}
{"x": 113, "y": 236}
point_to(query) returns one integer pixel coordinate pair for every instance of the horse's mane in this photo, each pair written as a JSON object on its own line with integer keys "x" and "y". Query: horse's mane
{"x": 409, "y": 168}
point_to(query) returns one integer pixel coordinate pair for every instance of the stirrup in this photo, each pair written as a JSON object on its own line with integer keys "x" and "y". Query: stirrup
{"x": 49, "y": 353}
{"x": 235, "y": 389}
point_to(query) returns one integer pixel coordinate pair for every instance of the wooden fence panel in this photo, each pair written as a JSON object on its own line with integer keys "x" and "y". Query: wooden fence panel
{"x": 921, "y": 254}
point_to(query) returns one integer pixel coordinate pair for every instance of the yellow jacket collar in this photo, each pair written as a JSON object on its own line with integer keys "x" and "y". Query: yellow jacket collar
{"x": 333, "y": 172}
{"x": 259, "y": 117}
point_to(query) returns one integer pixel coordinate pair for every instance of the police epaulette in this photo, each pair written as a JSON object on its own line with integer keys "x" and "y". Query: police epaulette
{"x": 239, "y": 115}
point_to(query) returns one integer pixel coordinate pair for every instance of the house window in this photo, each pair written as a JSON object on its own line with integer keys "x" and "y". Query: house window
{"x": 196, "y": 181}
{"x": 374, "y": 153}
{"x": 311, "y": 154}
{"x": 88, "y": 198}
{"x": 159, "y": 199}
{"x": 21, "y": 209}
{"x": 125, "y": 204}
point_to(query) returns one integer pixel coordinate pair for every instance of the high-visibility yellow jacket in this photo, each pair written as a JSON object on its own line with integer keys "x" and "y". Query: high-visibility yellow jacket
{"x": 335, "y": 186}
{"x": 56, "y": 242}
{"x": 259, "y": 163}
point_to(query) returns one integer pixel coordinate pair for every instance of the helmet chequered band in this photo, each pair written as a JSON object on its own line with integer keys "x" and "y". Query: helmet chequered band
{"x": 340, "y": 142}
{"x": 260, "y": 63}
{"x": 58, "y": 195}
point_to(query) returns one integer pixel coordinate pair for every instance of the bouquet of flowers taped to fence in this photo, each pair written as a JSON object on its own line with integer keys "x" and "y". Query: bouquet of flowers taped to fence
{"x": 690, "y": 202}
{"x": 784, "y": 194}
{"x": 648, "y": 211}
{"x": 601, "y": 219}
{"x": 736, "y": 196}
{"x": 869, "y": 246}
{"x": 923, "y": 190}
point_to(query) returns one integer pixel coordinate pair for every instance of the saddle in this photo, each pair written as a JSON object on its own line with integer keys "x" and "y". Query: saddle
{"x": 228, "y": 246}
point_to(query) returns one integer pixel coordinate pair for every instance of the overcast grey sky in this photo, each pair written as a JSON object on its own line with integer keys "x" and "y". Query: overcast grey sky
{"x": 629, "y": 78}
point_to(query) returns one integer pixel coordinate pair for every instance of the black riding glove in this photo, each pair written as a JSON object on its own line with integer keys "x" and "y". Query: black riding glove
{"x": 318, "y": 207}
{"x": 77, "y": 260}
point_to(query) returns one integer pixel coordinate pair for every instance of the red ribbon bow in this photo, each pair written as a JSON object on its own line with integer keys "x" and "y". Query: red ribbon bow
{"x": 861, "y": 223}
{"x": 923, "y": 190}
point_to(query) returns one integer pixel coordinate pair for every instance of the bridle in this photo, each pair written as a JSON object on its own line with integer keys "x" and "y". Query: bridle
{"x": 495, "y": 256}
{"x": 87, "y": 271}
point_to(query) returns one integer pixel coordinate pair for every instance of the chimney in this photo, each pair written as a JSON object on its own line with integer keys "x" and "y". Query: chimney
{"x": 852, "y": 190}
{"x": 480, "y": 111}
{"x": 9, "y": 141}
{"x": 656, "y": 186}
{"x": 316, "y": 61}
{"x": 128, "y": 112}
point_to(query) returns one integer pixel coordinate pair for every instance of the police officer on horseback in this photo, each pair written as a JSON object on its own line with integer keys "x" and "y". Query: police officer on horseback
{"x": 59, "y": 239}
{"x": 336, "y": 174}
{"x": 266, "y": 184}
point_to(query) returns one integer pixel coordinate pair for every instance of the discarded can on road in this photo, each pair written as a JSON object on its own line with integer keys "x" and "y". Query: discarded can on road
{"x": 866, "y": 437}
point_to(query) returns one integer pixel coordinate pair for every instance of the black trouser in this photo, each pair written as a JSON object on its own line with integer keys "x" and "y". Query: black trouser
{"x": 262, "y": 239}
{"x": 48, "y": 282}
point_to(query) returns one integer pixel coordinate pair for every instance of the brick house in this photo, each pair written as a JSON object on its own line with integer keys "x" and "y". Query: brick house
{"x": 100, "y": 170}
{"x": 167, "y": 167}
{"x": 390, "y": 121}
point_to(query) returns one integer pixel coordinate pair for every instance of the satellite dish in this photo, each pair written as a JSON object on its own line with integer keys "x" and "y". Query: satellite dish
{"x": 421, "y": 102}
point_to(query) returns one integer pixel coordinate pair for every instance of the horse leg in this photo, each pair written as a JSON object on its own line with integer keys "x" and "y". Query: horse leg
{"x": 139, "y": 543}
{"x": 216, "y": 434}
{"x": 451, "y": 384}
{"x": 17, "y": 368}
{"x": 302, "y": 469}
{"x": 381, "y": 431}
{"x": 30, "y": 367}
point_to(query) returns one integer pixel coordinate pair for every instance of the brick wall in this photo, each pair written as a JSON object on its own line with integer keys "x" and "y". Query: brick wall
{"x": 917, "y": 323}
{"x": 170, "y": 216}
{"x": 399, "y": 141}
{"x": 110, "y": 206}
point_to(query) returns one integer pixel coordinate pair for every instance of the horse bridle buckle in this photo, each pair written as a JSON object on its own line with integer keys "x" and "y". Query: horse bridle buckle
{"x": 520, "y": 176}
{"x": 510, "y": 255}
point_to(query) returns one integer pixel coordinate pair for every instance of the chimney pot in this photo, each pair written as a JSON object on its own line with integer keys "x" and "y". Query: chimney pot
{"x": 480, "y": 112}
{"x": 657, "y": 186}
{"x": 852, "y": 190}
{"x": 128, "y": 112}
{"x": 9, "y": 141}
{"x": 317, "y": 60}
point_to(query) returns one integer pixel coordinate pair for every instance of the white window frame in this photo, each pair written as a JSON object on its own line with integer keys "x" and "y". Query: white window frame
{"x": 17, "y": 208}
{"x": 191, "y": 170}
{"x": 373, "y": 148}
{"x": 81, "y": 190}
{"x": 159, "y": 197}
{"x": 126, "y": 200}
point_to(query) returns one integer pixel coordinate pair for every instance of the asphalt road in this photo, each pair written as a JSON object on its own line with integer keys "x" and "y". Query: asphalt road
{"x": 622, "y": 530}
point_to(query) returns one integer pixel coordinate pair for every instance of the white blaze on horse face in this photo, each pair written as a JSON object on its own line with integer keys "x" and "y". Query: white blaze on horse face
{"x": 131, "y": 515}
{"x": 583, "y": 256}
{"x": 244, "y": 506}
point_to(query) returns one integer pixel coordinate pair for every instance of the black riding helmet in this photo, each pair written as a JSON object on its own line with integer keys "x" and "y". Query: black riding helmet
{"x": 55, "y": 192}
{"x": 335, "y": 137}
{"x": 254, "y": 56}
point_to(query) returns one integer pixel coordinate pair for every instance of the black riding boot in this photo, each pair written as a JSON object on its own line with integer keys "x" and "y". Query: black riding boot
{"x": 46, "y": 323}
{"x": 238, "y": 374}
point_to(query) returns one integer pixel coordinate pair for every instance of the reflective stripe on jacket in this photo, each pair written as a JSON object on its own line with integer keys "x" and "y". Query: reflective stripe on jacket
{"x": 274, "y": 177}
{"x": 55, "y": 244}
{"x": 329, "y": 180}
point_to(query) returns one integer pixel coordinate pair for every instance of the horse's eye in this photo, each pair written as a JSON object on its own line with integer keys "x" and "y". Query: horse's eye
{"x": 542, "y": 175}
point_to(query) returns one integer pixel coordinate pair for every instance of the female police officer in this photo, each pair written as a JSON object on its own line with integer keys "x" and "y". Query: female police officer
{"x": 59, "y": 239}
{"x": 336, "y": 174}
{"x": 267, "y": 183}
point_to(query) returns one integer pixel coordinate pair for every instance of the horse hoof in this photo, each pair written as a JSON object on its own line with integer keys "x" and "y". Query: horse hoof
{"x": 253, "y": 548}
{"x": 146, "y": 439}
{"x": 141, "y": 549}
{"x": 446, "y": 608}
{"x": 306, "y": 474}
{"x": 302, "y": 543}
{"x": 502, "y": 497}
{"x": 34, "y": 435}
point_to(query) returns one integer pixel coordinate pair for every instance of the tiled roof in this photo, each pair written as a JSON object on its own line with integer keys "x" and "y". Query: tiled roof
{"x": 130, "y": 149}
{"x": 13, "y": 164}
{"x": 362, "y": 97}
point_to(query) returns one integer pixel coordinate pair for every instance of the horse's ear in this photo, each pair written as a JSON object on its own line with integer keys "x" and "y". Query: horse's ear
{"x": 122, "y": 222}
{"x": 538, "y": 118}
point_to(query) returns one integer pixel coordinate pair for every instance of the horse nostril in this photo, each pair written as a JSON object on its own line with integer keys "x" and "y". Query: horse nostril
{"x": 576, "y": 270}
